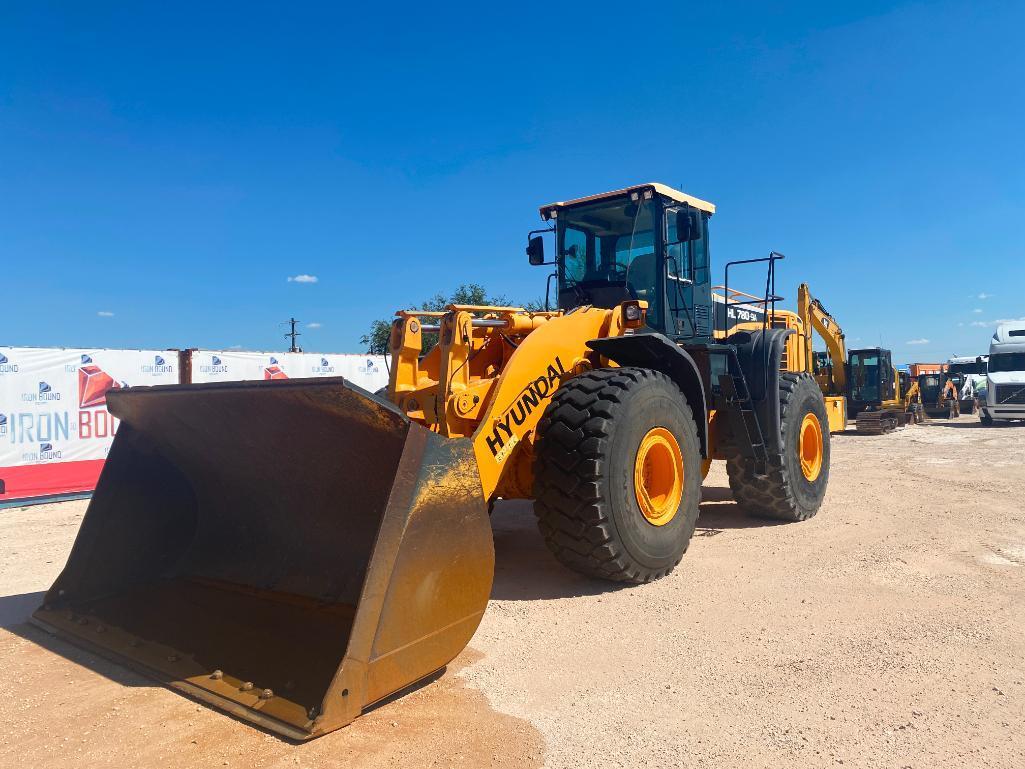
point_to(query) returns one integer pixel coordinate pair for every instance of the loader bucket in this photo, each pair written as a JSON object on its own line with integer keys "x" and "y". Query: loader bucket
{"x": 290, "y": 551}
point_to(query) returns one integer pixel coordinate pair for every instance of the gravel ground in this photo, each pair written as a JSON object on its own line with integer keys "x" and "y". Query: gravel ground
{"x": 885, "y": 632}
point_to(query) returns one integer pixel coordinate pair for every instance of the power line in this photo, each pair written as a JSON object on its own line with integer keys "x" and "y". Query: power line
{"x": 292, "y": 335}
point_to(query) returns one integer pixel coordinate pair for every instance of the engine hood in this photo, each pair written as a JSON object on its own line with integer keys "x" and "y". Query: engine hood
{"x": 1006, "y": 377}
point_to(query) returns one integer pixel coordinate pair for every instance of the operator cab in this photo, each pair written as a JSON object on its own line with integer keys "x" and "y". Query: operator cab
{"x": 870, "y": 379}
{"x": 930, "y": 385}
{"x": 648, "y": 243}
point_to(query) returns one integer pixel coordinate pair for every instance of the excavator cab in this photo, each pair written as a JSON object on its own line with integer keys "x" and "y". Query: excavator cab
{"x": 871, "y": 381}
{"x": 904, "y": 381}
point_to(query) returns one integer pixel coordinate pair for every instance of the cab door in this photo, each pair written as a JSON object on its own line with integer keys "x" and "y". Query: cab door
{"x": 688, "y": 279}
{"x": 887, "y": 381}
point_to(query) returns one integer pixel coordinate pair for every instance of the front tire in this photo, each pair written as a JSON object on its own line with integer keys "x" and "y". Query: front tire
{"x": 617, "y": 476}
{"x": 985, "y": 418}
{"x": 795, "y": 481}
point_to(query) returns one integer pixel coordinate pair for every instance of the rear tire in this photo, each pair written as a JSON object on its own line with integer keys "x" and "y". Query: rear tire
{"x": 787, "y": 493}
{"x": 586, "y": 493}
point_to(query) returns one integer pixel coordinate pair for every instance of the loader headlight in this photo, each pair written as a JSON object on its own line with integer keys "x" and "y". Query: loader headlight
{"x": 633, "y": 313}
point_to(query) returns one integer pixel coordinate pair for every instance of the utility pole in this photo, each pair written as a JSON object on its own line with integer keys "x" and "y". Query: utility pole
{"x": 292, "y": 335}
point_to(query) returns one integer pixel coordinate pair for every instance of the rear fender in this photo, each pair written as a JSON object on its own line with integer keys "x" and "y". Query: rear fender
{"x": 760, "y": 354}
{"x": 658, "y": 352}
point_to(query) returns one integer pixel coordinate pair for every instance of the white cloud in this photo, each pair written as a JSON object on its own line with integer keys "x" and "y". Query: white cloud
{"x": 313, "y": 325}
{"x": 984, "y": 296}
{"x": 997, "y": 322}
{"x": 234, "y": 347}
{"x": 105, "y": 314}
{"x": 960, "y": 325}
{"x": 977, "y": 310}
{"x": 302, "y": 278}
{"x": 917, "y": 341}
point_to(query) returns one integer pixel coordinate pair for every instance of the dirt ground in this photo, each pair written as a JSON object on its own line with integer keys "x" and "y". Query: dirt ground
{"x": 885, "y": 632}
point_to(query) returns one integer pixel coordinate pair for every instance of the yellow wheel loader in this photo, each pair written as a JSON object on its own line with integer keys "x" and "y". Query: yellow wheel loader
{"x": 296, "y": 551}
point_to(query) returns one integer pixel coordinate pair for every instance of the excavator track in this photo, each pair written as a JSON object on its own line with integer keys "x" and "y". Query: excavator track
{"x": 879, "y": 422}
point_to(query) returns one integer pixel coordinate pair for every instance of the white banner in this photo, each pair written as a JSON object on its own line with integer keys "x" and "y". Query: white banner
{"x": 53, "y": 412}
{"x": 235, "y": 366}
{"x": 368, "y": 371}
{"x": 55, "y": 430}
{"x": 53, "y": 401}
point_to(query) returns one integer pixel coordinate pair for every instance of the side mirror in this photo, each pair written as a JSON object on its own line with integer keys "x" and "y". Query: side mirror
{"x": 536, "y": 251}
{"x": 688, "y": 225}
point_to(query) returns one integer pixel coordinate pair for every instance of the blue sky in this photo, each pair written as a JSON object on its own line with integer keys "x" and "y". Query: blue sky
{"x": 174, "y": 165}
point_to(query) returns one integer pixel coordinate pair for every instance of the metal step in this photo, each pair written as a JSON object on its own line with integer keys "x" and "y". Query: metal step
{"x": 743, "y": 419}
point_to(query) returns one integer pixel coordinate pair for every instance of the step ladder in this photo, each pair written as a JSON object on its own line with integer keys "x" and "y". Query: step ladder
{"x": 740, "y": 407}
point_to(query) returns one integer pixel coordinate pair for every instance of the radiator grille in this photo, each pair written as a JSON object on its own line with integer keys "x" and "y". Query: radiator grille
{"x": 703, "y": 320}
{"x": 1010, "y": 393}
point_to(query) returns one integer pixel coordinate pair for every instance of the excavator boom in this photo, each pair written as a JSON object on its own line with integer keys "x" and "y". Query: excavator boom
{"x": 815, "y": 315}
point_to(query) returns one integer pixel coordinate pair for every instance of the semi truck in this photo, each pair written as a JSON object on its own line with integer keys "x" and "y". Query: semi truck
{"x": 1005, "y": 375}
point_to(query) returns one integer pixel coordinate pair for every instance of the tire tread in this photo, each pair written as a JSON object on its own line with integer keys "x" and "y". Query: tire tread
{"x": 772, "y": 496}
{"x": 572, "y": 457}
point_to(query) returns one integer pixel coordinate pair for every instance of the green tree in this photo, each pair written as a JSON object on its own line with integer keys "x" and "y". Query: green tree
{"x": 376, "y": 339}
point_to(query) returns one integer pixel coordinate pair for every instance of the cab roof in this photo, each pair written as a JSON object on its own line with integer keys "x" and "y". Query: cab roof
{"x": 661, "y": 189}
{"x": 1010, "y": 332}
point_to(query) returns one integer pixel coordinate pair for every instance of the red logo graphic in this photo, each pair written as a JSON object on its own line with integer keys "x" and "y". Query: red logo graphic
{"x": 93, "y": 384}
{"x": 274, "y": 372}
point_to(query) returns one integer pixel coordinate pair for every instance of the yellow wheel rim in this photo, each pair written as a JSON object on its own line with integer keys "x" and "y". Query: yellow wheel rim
{"x": 810, "y": 447}
{"x": 658, "y": 476}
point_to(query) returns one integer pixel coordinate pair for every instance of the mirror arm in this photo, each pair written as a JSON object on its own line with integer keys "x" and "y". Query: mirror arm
{"x": 540, "y": 243}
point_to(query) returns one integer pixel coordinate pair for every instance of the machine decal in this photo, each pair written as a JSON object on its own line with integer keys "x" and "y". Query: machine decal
{"x": 502, "y": 438}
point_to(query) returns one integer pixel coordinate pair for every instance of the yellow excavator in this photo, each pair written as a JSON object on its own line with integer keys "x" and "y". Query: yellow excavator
{"x": 829, "y": 367}
{"x": 862, "y": 382}
{"x": 295, "y": 551}
{"x": 878, "y": 396}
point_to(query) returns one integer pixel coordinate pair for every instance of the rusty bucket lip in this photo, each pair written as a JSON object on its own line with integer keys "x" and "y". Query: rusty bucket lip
{"x": 114, "y": 396}
{"x": 225, "y": 704}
